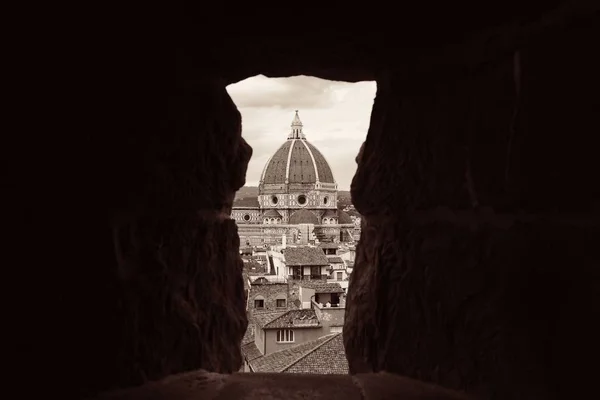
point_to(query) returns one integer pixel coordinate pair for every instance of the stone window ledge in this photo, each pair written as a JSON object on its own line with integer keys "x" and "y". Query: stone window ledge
{"x": 202, "y": 385}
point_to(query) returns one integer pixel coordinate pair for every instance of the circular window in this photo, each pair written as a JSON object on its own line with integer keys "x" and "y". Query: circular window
{"x": 274, "y": 200}
{"x": 247, "y": 217}
{"x": 302, "y": 199}
{"x": 325, "y": 200}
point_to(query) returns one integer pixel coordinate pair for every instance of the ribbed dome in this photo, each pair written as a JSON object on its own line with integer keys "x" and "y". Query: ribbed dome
{"x": 297, "y": 161}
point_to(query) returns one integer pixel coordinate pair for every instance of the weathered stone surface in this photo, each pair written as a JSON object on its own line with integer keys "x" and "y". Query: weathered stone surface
{"x": 260, "y": 386}
{"x": 182, "y": 297}
{"x": 168, "y": 161}
{"x": 461, "y": 273}
{"x": 165, "y": 290}
{"x": 474, "y": 309}
{"x": 164, "y": 144}
{"x": 385, "y": 386}
{"x": 201, "y": 385}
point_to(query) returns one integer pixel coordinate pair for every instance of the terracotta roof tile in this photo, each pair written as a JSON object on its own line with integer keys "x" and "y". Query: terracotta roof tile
{"x": 281, "y": 360}
{"x": 249, "y": 334}
{"x": 344, "y": 218}
{"x": 328, "y": 358}
{"x": 261, "y": 319}
{"x": 304, "y": 256}
{"x": 294, "y": 319}
{"x": 322, "y": 286}
{"x": 303, "y": 217}
{"x": 335, "y": 259}
{"x": 250, "y": 351}
{"x": 329, "y": 213}
{"x": 272, "y": 213}
{"x": 328, "y": 245}
{"x": 333, "y": 318}
{"x": 246, "y": 202}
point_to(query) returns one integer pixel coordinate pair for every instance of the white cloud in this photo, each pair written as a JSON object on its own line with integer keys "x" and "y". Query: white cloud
{"x": 335, "y": 117}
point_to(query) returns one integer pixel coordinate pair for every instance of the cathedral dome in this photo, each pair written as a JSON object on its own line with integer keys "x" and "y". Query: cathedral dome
{"x": 297, "y": 161}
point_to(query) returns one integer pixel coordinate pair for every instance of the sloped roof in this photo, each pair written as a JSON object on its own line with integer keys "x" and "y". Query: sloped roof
{"x": 330, "y": 213}
{"x": 250, "y": 351}
{"x": 248, "y": 335}
{"x": 295, "y": 319}
{"x": 335, "y": 259}
{"x": 328, "y": 245}
{"x": 246, "y": 278}
{"x": 246, "y": 202}
{"x": 333, "y": 316}
{"x": 305, "y": 256}
{"x": 327, "y": 358}
{"x": 322, "y": 286}
{"x": 279, "y": 361}
{"x": 303, "y": 217}
{"x": 263, "y": 318}
{"x": 344, "y": 218}
{"x": 272, "y": 214}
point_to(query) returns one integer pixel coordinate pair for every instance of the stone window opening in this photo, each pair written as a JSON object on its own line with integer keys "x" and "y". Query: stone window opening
{"x": 315, "y": 273}
{"x": 259, "y": 303}
{"x": 281, "y": 302}
{"x": 285, "y": 336}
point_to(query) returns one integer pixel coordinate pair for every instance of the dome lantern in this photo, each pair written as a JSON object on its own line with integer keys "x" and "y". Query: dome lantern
{"x": 296, "y": 132}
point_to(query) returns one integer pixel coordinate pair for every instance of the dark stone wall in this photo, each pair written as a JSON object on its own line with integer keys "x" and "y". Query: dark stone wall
{"x": 118, "y": 212}
{"x": 477, "y": 267}
{"x": 157, "y": 282}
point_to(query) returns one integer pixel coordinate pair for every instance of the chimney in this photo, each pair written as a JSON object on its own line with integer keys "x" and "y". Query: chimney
{"x": 283, "y": 241}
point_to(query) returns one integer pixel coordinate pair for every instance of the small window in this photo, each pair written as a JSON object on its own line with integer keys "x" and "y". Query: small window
{"x": 340, "y": 276}
{"x": 247, "y": 217}
{"x": 280, "y": 303}
{"x": 285, "y": 336}
{"x": 302, "y": 199}
{"x": 325, "y": 200}
{"x": 274, "y": 200}
{"x": 259, "y": 303}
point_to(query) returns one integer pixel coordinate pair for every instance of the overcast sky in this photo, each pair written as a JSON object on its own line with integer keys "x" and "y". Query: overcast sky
{"x": 335, "y": 117}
